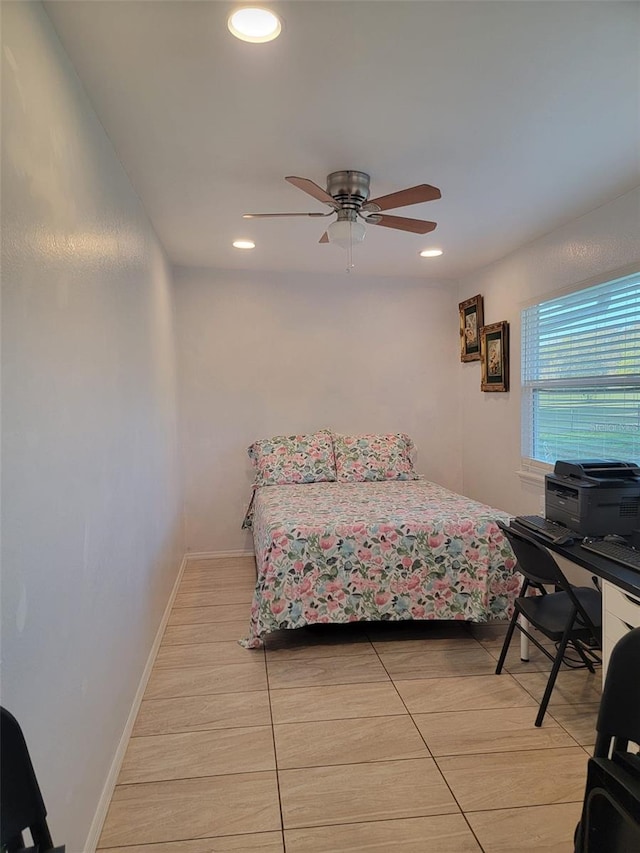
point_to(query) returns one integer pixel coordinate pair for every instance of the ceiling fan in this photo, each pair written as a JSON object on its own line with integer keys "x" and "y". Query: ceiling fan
{"x": 347, "y": 194}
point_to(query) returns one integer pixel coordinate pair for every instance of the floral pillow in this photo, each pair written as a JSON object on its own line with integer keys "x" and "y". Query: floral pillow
{"x": 373, "y": 457}
{"x": 286, "y": 459}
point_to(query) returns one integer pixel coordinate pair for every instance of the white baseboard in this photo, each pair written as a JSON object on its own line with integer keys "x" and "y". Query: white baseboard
{"x": 110, "y": 784}
{"x": 216, "y": 555}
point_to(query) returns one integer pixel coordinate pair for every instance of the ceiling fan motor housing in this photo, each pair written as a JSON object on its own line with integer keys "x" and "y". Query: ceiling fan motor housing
{"x": 349, "y": 188}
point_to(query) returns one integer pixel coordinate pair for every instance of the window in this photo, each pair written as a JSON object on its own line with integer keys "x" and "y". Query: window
{"x": 581, "y": 374}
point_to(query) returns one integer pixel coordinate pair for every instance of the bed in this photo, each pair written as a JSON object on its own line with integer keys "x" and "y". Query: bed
{"x": 337, "y": 552}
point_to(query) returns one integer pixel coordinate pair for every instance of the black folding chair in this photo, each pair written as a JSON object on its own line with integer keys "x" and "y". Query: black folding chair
{"x": 610, "y": 820}
{"x": 570, "y": 616}
{"x": 21, "y": 804}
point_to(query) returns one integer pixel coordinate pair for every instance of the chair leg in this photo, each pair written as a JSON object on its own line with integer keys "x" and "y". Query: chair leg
{"x": 554, "y": 673}
{"x": 587, "y": 662}
{"x": 41, "y": 835}
{"x": 507, "y": 642}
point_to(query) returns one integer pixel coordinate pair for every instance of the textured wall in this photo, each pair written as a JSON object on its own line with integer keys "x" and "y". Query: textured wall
{"x": 91, "y": 503}
{"x": 594, "y": 246}
{"x": 268, "y": 354}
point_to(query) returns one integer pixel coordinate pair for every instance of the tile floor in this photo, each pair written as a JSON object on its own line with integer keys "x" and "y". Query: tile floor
{"x": 363, "y": 738}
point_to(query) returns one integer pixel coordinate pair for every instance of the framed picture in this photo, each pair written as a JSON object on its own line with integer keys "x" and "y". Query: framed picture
{"x": 471, "y": 320}
{"x": 494, "y": 347}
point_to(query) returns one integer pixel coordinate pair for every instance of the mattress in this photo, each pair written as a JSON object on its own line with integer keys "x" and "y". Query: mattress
{"x": 376, "y": 551}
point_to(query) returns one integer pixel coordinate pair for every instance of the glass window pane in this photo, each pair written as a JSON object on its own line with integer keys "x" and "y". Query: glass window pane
{"x": 581, "y": 374}
{"x": 597, "y": 423}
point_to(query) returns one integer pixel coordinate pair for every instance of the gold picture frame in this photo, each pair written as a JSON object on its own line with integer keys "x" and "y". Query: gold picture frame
{"x": 471, "y": 321}
{"x": 494, "y": 348}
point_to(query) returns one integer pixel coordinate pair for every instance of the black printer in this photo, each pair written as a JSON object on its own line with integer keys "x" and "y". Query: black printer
{"x": 594, "y": 497}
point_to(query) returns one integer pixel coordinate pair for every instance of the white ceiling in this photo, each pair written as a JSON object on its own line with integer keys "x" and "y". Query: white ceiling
{"x": 525, "y": 115}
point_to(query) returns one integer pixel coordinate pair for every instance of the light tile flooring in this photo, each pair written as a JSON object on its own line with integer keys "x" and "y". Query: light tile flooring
{"x": 363, "y": 738}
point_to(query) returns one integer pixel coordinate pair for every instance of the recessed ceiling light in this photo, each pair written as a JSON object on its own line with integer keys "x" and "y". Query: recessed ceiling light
{"x": 254, "y": 24}
{"x": 244, "y": 244}
{"x": 430, "y": 253}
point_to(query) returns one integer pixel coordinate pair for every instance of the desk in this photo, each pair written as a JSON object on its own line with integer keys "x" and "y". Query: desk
{"x": 620, "y": 576}
{"x": 620, "y": 593}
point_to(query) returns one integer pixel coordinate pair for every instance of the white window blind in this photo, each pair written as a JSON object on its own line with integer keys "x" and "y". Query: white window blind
{"x": 581, "y": 374}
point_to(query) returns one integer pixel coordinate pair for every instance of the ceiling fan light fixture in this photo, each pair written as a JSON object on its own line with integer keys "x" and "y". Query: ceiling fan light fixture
{"x": 430, "y": 253}
{"x": 244, "y": 244}
{"x": 254, "y": 24}
{"x": 345, "y": 233}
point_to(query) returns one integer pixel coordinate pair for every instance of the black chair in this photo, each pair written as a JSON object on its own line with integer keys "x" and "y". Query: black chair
{"x": 570, "y": 616}
{"x": 21, "y": 804}
{"x": 610, "y": 820}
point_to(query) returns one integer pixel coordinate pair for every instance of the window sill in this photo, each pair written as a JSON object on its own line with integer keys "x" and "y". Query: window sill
{"x": 533, "y": 472}
{"x": 531, "y": 477}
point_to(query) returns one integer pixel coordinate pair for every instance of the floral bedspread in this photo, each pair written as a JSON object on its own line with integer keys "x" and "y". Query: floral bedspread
{"x": 345, "y": 552}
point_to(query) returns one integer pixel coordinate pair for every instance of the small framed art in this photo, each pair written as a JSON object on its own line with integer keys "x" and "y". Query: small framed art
{"x": 494, "y": 348}
{"x": 471, "y": 320}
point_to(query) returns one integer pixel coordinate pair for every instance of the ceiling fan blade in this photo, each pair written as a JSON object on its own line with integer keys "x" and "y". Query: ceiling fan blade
{"x": 308, "y": 186}
{"x": 324, "y": 238}
{"x": 265, "y": 215}
{"x": 413, "y": 195}
{"x": 418, "y": 226}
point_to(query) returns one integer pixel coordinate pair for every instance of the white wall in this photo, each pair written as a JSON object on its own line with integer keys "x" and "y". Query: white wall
{"x": 597, "y": 245}
{"x": 91, "y": 513}
{"x": 91, "y": 502}
{"x": 268, "y": 354}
